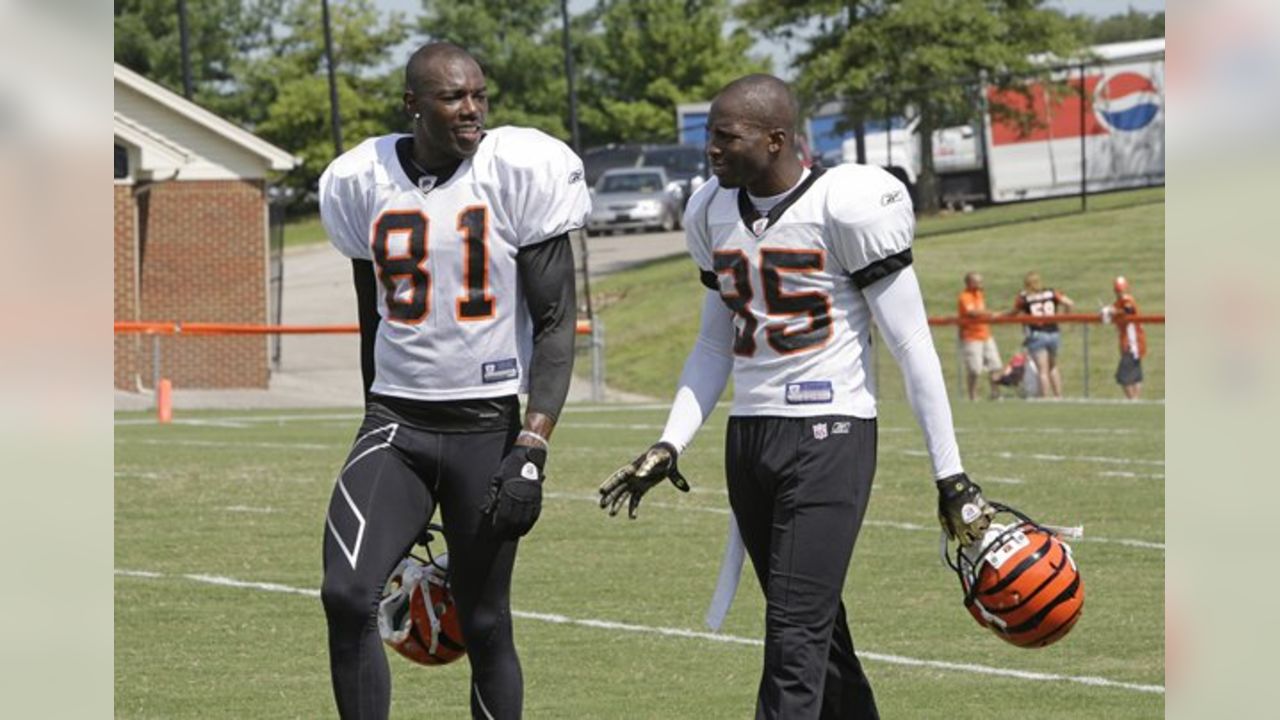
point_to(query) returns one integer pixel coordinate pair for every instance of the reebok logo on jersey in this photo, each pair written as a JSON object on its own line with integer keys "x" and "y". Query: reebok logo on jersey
{"x": 809, "y": 392}
{"x": 575, "y": 177}
{"x": 499, "y": 370}
{"x": 840, "y": 427}
{"x": 820, "y": 431}
{"x": 890, "y": 198}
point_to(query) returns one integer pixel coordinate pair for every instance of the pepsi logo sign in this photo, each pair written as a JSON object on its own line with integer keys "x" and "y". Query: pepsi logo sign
{"x": 1126, "y": 101}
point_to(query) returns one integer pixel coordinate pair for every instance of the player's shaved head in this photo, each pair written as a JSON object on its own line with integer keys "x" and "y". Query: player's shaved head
{"x": 751, "y": 135}
{"x": 761, "y": 100}
{"x": 417, "y": 72}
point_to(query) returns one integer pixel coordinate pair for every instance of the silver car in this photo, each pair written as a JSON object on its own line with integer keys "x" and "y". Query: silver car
{"x": 641, "y": 198}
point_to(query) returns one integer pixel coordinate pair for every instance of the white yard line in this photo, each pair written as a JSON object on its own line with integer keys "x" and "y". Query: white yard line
{"x": 1005, "y": 455}
{"x": 226, "y": 444}
{"x": 243, "y": 420}
{"x": 1089, "y": 680}
{"x": 932, "y": 528}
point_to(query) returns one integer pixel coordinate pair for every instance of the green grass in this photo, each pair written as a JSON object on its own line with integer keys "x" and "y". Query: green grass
{"x": 651, "y": 313}
{"x": 1034, "y": 210}
{"x": 243, "y": 495}
{"x": 304, "y": 230}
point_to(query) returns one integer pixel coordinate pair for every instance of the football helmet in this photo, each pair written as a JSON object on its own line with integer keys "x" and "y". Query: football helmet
{"x": 1020, "y": 581}
{"x": 417, "y": 616}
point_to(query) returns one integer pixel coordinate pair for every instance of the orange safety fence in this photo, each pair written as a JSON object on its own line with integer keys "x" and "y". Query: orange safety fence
{"x": 1078, "y": 318}
{"x": 209, "y": 328}
{"x": 583, "y": 326}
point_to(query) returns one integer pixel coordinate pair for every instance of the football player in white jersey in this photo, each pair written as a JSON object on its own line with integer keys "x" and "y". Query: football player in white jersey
{"x": 797, "y": 263}
{"x": 464, "y": 280}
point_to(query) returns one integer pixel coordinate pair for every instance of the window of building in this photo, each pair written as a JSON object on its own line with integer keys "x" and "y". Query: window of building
{"x": 122, "y": 162}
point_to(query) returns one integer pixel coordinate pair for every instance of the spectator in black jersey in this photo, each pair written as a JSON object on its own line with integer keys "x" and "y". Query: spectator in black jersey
{"x": 458, "y": 237}
{"x": 1042, "y": 338}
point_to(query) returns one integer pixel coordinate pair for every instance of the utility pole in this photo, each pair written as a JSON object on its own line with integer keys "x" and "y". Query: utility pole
{"x": 859, "y": 113}
{"x": 335, "y": 117}
{"x": 184, "y": 48}
{"x": 568, "y": 75}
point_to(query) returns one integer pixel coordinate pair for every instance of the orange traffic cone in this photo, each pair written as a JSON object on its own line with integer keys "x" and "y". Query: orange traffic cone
{"x": 164, "y": 401}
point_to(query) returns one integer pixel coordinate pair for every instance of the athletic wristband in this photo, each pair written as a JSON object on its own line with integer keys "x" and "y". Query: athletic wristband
{"x": 535, "y": 437}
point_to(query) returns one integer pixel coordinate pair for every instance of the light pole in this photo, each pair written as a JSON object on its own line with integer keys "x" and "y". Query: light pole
{"x": 335, "y": 117}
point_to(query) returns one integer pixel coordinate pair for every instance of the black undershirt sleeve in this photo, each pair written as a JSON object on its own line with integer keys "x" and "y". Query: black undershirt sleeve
{"x": 880, "y": 269}
{"x": 546, "y": 273}
{"x": 367, "y": 309}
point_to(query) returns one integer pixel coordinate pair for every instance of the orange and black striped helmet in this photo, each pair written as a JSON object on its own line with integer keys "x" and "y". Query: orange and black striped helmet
{"x": 417, "y": 616}
{"x": 1021, "y": 582}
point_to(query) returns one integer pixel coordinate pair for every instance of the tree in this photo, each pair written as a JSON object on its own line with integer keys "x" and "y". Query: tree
{"x": 926, "y": 57}
{"x": 518, "y": 44}
{"x": 644, "y": 57}
{"x": 260, "y": 64}
{"x": 284, "y": 90}
{"x": 220, "y": 31}
{"x": 1131, "y": 25}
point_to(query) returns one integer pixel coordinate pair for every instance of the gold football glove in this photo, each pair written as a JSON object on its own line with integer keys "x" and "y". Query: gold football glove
{"x": 633, "y": 480}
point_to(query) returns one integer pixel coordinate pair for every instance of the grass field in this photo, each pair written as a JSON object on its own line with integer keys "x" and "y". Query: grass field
{"x": 304, "y": 230}
{"x": 218, "y": 522}
{"x": 651, "y": 313}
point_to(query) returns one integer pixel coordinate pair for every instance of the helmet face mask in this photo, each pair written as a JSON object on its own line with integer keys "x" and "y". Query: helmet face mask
{"x": 417, "y": 616}
{"x": 1021, "y": 582}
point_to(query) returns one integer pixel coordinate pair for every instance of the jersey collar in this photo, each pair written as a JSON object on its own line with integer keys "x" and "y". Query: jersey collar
{"x": 757, "y": 223}
{"x": 413, "y": 174}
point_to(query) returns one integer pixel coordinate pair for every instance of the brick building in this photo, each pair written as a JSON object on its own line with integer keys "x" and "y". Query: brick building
{"x": 191, "y": 235}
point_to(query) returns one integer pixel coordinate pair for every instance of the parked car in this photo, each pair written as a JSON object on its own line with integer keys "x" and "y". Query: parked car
{"x": 634, "y": 199}
{"x": 596, "y": 160}
{"x": 686, "y": 165}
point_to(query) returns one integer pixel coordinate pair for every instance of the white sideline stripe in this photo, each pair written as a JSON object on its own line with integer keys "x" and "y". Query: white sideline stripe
{"x": 223, "y": 443}
{"x": 241, "y": 422}
{"x": 595, "y": 499}
{"x": 247, "y": 509}
{"x": 558, "y": 619}
{"x": 1006, "y": 455}
{"x": 242, "y": 419}
{"x": 1124, "y": 474}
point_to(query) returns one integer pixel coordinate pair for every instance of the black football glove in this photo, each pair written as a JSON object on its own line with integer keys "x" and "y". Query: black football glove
{"x": 962, "y": 510}
{"x": 634, "y": 479}
{"x": 515, "y": 493}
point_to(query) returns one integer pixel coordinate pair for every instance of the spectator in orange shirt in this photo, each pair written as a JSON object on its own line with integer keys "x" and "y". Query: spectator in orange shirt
{"x": 980, "y": 353}
{"x": 1133, "y": 339}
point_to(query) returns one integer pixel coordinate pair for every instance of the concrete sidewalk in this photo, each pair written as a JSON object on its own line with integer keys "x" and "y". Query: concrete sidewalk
{"x": 324, "y": 370}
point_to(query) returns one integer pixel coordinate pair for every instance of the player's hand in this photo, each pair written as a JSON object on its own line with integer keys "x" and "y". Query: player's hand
{"x": 633, "y": 480}
{"x": 515, "y": 493}
{"x": 962, "y": 510}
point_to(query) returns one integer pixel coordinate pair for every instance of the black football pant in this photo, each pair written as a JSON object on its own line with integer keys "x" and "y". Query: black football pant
{"x": 799, "y": 489}
{"x": 381, "y": 502}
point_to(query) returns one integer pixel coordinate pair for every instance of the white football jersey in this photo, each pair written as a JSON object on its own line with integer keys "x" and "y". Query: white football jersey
{"x": 802, "y": 343}
{"x": 454, "y": 321}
